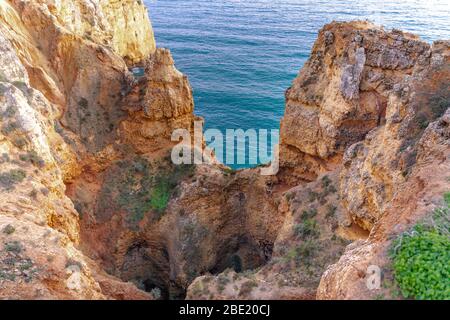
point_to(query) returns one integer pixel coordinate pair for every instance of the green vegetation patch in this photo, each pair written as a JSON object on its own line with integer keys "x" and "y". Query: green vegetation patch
{"x": 9, "y": 229}
{"x": 447, "y": 198}
{"x": 328, "y": 188}
{"x": 138, "y": 187}
{"x": 9, "y": 179}
{"x": 10, "y": 127}
{"x": 308, "y": 228}
{"x": 33, "y": 158}
{"x": 13, "y": 246}
{"x": 421, "y": 257}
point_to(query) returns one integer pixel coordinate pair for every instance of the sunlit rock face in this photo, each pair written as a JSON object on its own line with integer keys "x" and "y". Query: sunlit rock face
{"x": 92, "y": 207}
{"x": 342, "y": 93}
{"x": 366, "y": 122}
{"x": 55, "y": 55}
{"x": 397, "y": 175}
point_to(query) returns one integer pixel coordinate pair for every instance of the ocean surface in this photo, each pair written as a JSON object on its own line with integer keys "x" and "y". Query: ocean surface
{"x": 241, "y": 55}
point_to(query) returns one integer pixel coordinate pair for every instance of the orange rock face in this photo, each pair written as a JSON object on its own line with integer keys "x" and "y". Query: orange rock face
{"x": 92, "y": 207}
{"x": 369, "y": 112}
{"x": 56, "y": 78}
{"x": 342, "y": 93}
{"x": 397, "y": 175}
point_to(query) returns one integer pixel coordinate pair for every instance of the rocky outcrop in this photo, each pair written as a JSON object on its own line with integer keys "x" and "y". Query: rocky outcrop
{"x": 57, "y": 73}
{"x": 313, "y": 235}
{"x": 425, "y": 186}
{"x": 397, "y": 176}
{"x": 374, "y": 167}
{"x": 342, "y": 93}
{"x": 92, "y": 207}
{"x": 122, "y": 26}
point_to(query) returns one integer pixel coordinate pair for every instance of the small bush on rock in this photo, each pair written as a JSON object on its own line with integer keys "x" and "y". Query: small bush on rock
{"x": 421, "y": 258}
{"x": 11, "y": 178}
{"x": 9, "y": 229}
{"x": 13, "y": 246}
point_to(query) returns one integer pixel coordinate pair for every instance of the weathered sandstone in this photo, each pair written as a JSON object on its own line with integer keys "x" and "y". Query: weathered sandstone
{"x": 92, "y": 207}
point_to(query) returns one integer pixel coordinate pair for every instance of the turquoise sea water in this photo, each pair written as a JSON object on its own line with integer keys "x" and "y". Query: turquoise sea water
{"x": 241, "y": 55}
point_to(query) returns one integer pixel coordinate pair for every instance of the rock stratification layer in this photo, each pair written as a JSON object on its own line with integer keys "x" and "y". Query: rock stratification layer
{"x": 92, "y": 207}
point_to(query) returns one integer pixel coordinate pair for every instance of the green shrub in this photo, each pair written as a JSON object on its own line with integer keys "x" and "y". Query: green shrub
{"x": 9, "y": 229}
{"x": 13, "y": 246}
{"x": 33, "y": 158}
{"x": 306, "y": 250}
{"x": 220, "y": 288}
{"x": 331, "y": 211}
{"x": 26, "y": 264}
{"x": 439, "y": 104}
{"x": 223, "y": 280}
{"x": 422, "y": 121}
{"x": 447, "y": 198}
{"x": 11, "y": 178}
{"x": 7, "y": 276}
{"x": 421, "y": 258}
{"x": 133, "y": 186}
{"x": 306, "y": 229}
{"x": 421, "y": 266}
{"x": 156, "y": 292}
{"x": 308, "y": 214}
{"x": 290, "y": 196}
{"x": 313, "y": 196}
{"x": 326, "y": 181}
{"x": 160, "y": 196}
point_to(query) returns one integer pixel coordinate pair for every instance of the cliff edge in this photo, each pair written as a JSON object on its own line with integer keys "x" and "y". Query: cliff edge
{"x": 93, "y": 208}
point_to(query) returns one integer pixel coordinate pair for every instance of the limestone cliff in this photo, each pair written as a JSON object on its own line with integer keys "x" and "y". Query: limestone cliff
{"x": 63, "y": 70}
{"x": 92, "y": 207}
{"x": 342, "y": 93}
{"x": 397, "y": 175}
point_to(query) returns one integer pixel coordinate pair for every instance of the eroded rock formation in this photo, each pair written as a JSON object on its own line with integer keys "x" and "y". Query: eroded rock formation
{"x": 92, "y": 207}
{"x": 342, "y": 93}
{"x": 367, "y": 115}
{"x": 63, "y": 69}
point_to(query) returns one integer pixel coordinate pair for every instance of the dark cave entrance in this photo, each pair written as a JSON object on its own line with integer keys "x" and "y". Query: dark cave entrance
{"x": 239, "y": 254}
{"x": 242, "y": 254}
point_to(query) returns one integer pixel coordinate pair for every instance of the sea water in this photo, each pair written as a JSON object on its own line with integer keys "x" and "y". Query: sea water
{"x": 241, "y": 55}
